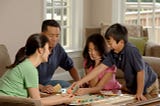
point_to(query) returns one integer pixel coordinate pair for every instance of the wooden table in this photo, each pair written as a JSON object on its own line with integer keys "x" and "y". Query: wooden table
{"x": 152, "y": 100}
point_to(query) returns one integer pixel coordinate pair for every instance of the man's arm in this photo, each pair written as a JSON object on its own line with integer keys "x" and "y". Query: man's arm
{"x": 74, "y": 73}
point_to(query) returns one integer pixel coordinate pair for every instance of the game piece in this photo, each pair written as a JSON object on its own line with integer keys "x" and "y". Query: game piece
{"x": 69, "y": 90}
{"x": 75, "y": 89}
{"x": 72, "y": 90}
{"x": 57, "y": 88}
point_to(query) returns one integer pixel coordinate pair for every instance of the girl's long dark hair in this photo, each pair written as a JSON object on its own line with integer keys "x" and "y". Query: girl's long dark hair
{"x": 100, "y": 44}
{"x": 34, "y": 42}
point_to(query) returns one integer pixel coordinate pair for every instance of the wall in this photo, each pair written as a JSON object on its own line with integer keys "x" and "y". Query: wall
{"x": 97, "y": 12}
{"x": 19, "y": 19}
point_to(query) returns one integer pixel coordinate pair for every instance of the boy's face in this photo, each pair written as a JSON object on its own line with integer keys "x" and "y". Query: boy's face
{"x": 113, "y": 45}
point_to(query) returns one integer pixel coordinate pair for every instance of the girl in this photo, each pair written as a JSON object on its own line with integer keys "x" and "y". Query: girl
{"x": 22, "y": 77}
{"x": 93, "y": 54}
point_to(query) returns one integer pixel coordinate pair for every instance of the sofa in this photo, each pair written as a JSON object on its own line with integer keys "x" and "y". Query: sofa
{"x": 10, "y": 100}
{"x": 136, "y": 35}
{"x": 149, "y": 50}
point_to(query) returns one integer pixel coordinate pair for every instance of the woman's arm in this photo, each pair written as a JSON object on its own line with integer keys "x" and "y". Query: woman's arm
{"x": 50, "y": 100}
{"x": 34, "y": 93}
{"x": 56, "y": 99}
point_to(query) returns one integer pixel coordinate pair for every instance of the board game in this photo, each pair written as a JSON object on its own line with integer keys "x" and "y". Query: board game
{"x": 103, "y": 99}
{"x": 86, "y": 99}
{"x": 111, "y": 92}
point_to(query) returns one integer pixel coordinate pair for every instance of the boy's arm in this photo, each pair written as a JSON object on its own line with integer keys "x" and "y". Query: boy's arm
{"x": 140, "y": 85}
{"x": 96, "y": 71}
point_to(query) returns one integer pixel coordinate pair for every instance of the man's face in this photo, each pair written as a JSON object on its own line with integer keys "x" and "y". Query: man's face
{"x": 53, "y": 34}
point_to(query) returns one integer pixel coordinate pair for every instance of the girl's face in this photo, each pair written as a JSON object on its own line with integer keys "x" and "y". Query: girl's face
{"x": 93, "y": 52}
{"x": 45, "y": 53}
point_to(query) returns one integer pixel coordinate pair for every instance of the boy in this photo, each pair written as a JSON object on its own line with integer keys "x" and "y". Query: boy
{"x": 139, "y": 76}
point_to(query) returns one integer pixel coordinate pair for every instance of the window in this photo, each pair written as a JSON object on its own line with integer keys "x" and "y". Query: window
{"x": 69, "y": 15}
{"x": 145, "y": 13}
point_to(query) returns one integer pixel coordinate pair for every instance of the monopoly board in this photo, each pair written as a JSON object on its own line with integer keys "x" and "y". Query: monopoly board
{"x": 98, "y": 99}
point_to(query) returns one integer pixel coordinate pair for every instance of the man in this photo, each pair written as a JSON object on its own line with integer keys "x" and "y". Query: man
{"x": 57, "y": 58}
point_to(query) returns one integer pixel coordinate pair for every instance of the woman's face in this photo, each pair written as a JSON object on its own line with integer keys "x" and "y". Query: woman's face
{"x": 45, "y": 53}
{"x": 93, "y": 52}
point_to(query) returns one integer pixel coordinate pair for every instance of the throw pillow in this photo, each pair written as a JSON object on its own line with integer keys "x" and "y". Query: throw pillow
{"x": 104, "y": 29}
{"x": 139, "y": 42}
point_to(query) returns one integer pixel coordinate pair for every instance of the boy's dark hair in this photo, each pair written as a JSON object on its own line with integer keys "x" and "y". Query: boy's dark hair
{"x": 117, "y": 32}
{"x": 100, "y": 45}
{"x": 47, "y": 23}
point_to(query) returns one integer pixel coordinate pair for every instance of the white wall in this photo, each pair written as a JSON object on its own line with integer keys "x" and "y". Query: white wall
{"x": 97, "y": 12}
{"x": 19, "y": 19}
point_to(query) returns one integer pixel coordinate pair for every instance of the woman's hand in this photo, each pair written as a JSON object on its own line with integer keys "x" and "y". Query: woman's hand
{"x": 67, "y": 98}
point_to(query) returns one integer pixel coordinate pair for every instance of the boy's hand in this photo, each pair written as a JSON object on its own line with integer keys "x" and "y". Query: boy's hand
{"x": 140, "y": 97}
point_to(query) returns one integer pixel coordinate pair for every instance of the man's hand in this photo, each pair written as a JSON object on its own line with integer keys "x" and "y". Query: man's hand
{"x": 140, "y": 97}
{"x": 47, "y": 89}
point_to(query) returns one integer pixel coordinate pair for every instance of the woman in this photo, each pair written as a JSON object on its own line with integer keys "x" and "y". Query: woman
{"x": 22, "y": 77}
{"x": 93, "y": 54}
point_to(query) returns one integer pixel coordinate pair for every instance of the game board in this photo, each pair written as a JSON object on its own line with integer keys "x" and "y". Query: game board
{"x": 103, "y": 99}
{"x": 123, "y": 98}
{"x": 86, "y": 99}
{"x": 111, "y": 92}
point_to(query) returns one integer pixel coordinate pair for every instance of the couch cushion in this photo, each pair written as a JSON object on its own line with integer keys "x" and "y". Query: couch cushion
{"x": 155, "y": 51}
{"x": 104, "y": 29}
{"x": 4, "y": 59}
{"x": 90, "y": 31}
{"x": 139, "y": 42}
{"x": 154, "y": 62}
{"x": 133, "y": 30}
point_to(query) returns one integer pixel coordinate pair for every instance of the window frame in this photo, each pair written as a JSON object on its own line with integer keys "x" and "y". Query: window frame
{"x": 120, "y": 13}
{"x": 76, "y": 26}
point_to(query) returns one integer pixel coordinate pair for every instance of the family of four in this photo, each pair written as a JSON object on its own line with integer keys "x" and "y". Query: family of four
{"x": 36, "y": 62}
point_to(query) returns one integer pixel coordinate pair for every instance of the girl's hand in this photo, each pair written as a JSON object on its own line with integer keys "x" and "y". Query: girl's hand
{"x": 82, "y": 91}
